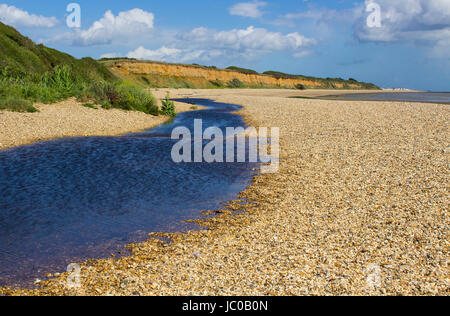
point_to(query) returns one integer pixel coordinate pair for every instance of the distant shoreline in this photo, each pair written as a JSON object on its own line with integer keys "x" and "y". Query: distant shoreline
{"x": 353, "y": 97}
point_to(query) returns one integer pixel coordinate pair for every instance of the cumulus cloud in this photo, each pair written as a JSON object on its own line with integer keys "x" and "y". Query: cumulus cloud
{"x": 126, "y": 26}
{"x": 420, "y": 21}
{"x": 206, "y": 44}
{"x": 407, "y": 20}
{"x": 250, "y": 39}
{"x": 19, "y": 18}
{"x": 168, "y": 54}
{"x": 248, "y": 9}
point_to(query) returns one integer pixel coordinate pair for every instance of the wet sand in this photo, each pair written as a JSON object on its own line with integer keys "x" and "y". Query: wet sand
{"x": 358, "y": 207}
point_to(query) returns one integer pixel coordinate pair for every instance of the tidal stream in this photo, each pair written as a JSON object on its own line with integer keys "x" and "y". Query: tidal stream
{"x": 71, "y": 199}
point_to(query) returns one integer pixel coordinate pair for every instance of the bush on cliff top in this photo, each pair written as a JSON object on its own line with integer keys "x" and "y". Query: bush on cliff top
{"x": 243, "y": 70}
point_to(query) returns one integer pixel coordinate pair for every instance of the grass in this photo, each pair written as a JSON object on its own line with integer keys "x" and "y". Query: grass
{"x": 35, "y": 73}
{"x": 17, "y": 105}
{"x": 64, "y": 82}
{"x": 90, "y": 105}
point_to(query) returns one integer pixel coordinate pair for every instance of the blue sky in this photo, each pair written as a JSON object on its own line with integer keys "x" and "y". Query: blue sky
{"x": 409, "y": 48}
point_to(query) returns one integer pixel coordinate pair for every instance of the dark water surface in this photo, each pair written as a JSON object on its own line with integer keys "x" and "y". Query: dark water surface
{"x": 433, "y": 97}
{"x": 66, "y": 200}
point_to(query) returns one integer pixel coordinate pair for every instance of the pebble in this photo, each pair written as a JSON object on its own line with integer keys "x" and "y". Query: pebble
{"x": 335, "y": 219}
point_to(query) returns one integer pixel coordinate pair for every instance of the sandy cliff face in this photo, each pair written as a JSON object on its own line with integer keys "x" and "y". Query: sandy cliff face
{"x": 168, "y": 75}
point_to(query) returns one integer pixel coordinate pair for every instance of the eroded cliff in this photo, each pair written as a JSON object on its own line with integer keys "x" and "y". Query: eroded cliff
{"x": 165, "y": 75}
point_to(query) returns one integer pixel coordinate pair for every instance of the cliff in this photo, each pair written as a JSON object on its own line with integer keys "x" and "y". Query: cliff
{"x": 164, "y": 75}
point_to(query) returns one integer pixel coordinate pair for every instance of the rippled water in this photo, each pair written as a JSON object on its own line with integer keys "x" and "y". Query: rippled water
{"x": 434, "y": 97}
{"x": 66, "y": 200}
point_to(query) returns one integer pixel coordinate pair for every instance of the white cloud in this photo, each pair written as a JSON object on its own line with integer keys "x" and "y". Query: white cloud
{"x": 319, "y": 17}
{"x": 19, "y": 18}
{"x": 248, "y": 9}
{"x": 407, "y": 20}
{"x": 420, "y": 21}
{"x": 174, "y": 54}
{"x": 245, "y": 40}
{"x": 203, "y": 44}
{"x": 127, "y": 26}
{"x": 162, "y": 54}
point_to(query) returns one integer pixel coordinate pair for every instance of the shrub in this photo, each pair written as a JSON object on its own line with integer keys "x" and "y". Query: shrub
{"x": 90, "y": 105}
{"x": 17, "y": 105}
{"x": 120, "y": 95}
{"x": 299, "y": 86}
{"x": 243, "y": 70}
{"x": 168, "y": 107}
{"x": 217, "y": 83}
{"x": 131, "y": 97}
{"x": 236, "y": 83}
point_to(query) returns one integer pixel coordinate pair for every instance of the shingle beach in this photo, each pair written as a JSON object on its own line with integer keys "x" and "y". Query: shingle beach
{"x": 359, "y": 207}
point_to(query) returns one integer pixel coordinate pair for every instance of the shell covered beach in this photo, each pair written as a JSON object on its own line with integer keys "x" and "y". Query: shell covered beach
{"x": 359, "y": 206}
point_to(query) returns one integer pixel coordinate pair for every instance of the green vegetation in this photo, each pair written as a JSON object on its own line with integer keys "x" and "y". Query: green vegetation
{"x": 35, "y": 73}
{"x": 203, "y": 66}
{"x": 328, "y": 83}
{"x": 17, "y": 105}
{"x": 243, "y": 70}
{"x": 168, "y": 107}
{"x": 123, "y": 95}
{"x": 116, "y": 58}
{"x": 236, "y": 84}
{"x": 218, "y": 84}
{"x": 279, "y": 75}
{"x": 90, "y": 105}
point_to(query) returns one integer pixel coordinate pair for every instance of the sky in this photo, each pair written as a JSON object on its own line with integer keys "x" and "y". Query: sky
{"x": 392, "y": 43}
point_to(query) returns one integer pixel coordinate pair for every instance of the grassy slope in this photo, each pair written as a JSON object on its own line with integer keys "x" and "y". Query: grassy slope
{"x": 35, "y": 73}
{"x": 23, "y": 57}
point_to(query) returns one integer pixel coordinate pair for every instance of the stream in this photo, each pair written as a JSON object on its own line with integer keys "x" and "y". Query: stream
{"x": 71, "y": 199}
